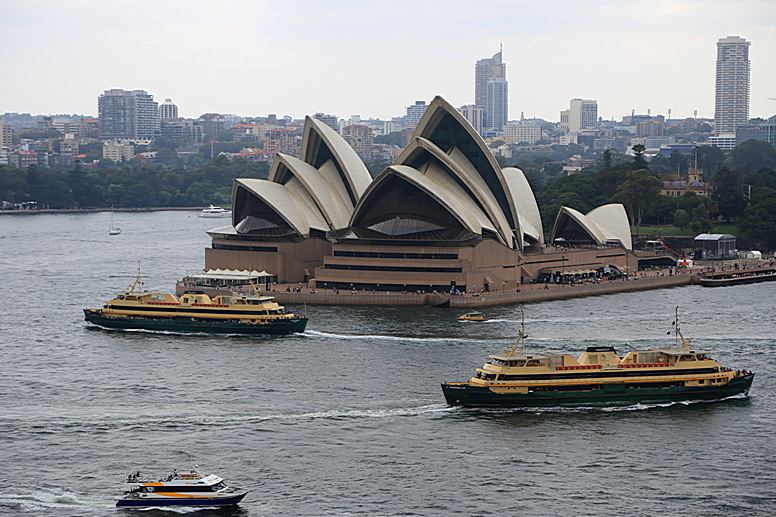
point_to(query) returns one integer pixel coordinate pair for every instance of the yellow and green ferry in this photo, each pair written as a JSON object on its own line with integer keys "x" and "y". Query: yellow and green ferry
{"x": 195, "y": 311}
{"x": 598, "y": 377}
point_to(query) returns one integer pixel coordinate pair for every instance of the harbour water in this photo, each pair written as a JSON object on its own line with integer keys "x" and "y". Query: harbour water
{"x": 348, "y": 418}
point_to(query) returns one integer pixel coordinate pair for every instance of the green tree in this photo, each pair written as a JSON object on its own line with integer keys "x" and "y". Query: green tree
{"x": 710, "y": 159}
{"x": 682, "y": 219}
{"x": 753, "y": 155}
{"x": 759, "y": 219}
{"x": 639, "y": 162}
{"x": 168, "y": 157}
{"x": 637, "y": 193}
{"x": 728, "y": 193}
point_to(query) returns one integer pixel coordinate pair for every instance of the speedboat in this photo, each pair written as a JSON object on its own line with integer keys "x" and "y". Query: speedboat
{"x": 472, "y": 316}
{"x": 599, "y": 377}
{"x": 179, "y": 489}
{"x": 215, "y": 211}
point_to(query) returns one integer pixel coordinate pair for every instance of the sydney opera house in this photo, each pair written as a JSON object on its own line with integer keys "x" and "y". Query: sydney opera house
{"x": 444, "y": 215}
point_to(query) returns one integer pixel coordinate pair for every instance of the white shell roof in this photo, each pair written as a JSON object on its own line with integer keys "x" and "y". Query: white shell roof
{"x": 353, "y": 170}
{"x": 613, "y": 221}
{"x": 528, "y": 210}
{"x": 607, "y": 222}
{"x": 328, "y": 197}
{"x": 285, "y": 201}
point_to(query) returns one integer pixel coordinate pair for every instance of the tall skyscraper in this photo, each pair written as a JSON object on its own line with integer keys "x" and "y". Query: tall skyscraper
{"x": 127, "y": 114}
{"x": 485, "y": 70}
{"x": 492, "y": 97}
{"x": 732, "y": 88}
{"x": 496, "y": 110}
{"x": 168, "y": 110}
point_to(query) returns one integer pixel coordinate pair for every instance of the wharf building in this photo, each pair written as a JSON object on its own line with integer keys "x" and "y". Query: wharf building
{"x": 444, "y": 216}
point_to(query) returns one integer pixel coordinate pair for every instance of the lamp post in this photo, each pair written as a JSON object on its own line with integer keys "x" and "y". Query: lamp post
{"x": 562, "y": 269}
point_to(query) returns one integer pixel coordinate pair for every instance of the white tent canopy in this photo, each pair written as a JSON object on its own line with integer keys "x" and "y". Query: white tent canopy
{"x": 232, "y": 274}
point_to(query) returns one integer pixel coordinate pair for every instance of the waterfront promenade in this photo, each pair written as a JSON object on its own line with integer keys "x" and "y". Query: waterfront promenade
{"x": 528, "y": 294}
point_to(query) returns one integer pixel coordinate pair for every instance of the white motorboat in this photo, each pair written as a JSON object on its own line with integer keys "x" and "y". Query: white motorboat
{"x": 179, "y": 489}
{"x": 215, "y": 211}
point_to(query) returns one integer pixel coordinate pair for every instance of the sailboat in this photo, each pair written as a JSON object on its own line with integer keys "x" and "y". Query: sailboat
{"x": 113, "y": 230}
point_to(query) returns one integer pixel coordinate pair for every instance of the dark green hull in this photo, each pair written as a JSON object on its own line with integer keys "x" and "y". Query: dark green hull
{"x": 610, "y": 395}
{"x": 186, "y": 324}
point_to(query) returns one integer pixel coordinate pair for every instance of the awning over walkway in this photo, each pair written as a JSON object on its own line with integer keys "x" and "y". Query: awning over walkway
{"x": 232, "y": 274}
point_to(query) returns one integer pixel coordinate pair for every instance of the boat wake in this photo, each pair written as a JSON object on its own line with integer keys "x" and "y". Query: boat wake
{"x": 386, "y": 337}
{"x": 588, "y": 409}
{"x": 36, "y": 499}
{"x": 177, "y": 421}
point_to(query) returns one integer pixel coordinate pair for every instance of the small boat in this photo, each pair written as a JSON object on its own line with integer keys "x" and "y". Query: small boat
{"x": 195, "y": 311}
{"x": 113, "y": 230}
{"x": 472, "y": 316}
{"x": 599, "y": 377}
{"x": 215, "y": 211}
{"x": 180, "y": 489}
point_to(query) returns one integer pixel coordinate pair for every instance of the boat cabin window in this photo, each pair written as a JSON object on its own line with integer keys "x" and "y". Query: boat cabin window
{"x": 702, "y": 357}
{"x": 499, "y": 362}
{"x": 519, "y": 362}
{"x": 687, "y": 358}
{"x": 650, "y": 357}
{"x": 121, "y": 297}
{"x": 536, "y": 362}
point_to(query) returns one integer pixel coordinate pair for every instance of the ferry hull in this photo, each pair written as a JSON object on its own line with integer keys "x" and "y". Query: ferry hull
{"x": 187, "y": 324}
{"x": 462, "y": 394}
{"x": 180, "y": 501}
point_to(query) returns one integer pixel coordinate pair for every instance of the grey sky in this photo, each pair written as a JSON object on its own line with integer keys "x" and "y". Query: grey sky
{"x": 295, "y": 58}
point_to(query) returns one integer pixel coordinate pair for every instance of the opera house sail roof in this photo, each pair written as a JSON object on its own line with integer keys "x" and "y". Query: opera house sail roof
{"x": 447, "y": 186}
{"x": 443, "y": 216}
{"x": 606, "y": 223}
{"x": 301, "y": 197}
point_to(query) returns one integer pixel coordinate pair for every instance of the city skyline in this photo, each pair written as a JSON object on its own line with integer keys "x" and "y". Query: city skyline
{"x": 347, "y": 58}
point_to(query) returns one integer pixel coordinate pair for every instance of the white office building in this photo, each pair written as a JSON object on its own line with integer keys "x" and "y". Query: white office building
{"x": 583, "y": 115}
{"x": 518, "y": 132}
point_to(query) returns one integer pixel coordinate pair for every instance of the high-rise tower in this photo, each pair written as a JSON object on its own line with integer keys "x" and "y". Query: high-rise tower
{"x": 168, "y": 110}
{"x": 128, "y": 114}
{"x": 496, "y": 106}
{"x": 732, "y": 87}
